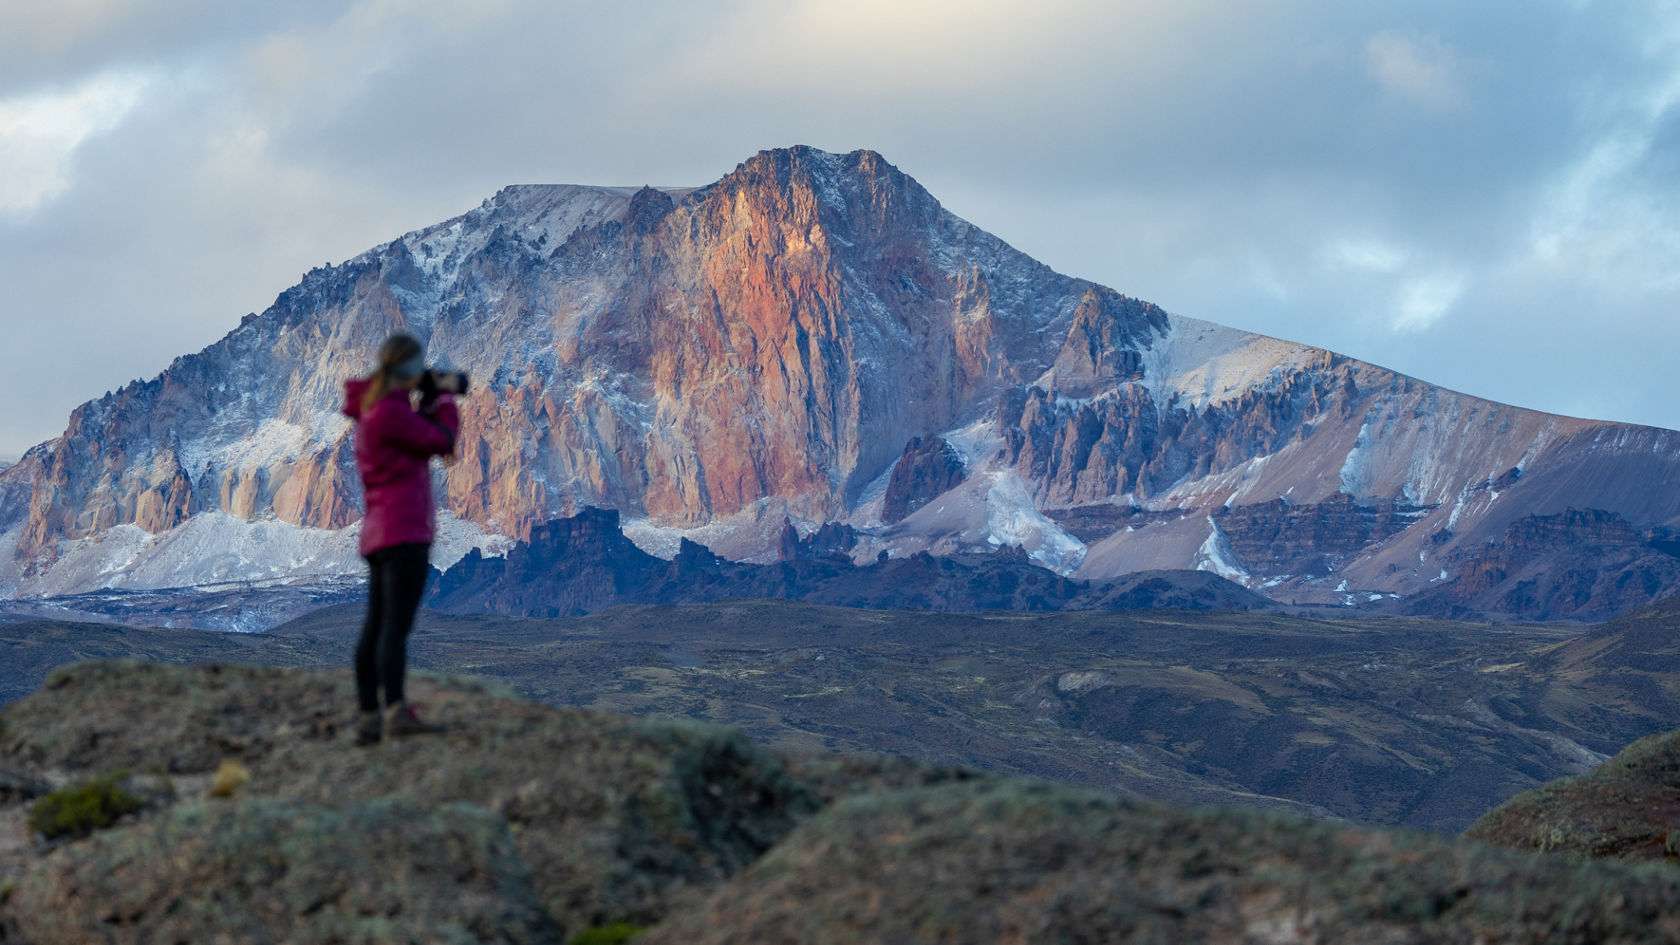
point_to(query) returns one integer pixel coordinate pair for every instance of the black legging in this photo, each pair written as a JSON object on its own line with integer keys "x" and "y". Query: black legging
{"x": 396, "y": 579}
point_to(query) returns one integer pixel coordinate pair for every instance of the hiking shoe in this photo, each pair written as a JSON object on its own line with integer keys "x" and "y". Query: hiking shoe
{"x": 369, "y": 727}
{"x": 400, "y": 721}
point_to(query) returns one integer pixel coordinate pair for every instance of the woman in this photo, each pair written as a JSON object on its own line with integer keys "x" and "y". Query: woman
{"x": 395, "y": 441}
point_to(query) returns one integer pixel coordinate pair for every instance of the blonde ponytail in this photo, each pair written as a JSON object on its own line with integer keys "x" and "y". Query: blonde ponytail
{"x": 397, "y": 350}
{"x": 379, "y": 384}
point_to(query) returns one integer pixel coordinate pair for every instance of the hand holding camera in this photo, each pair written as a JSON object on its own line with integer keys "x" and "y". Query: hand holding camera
{"x": 434, "y": 382}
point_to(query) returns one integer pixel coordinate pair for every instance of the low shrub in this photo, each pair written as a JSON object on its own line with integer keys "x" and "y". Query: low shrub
{"x": 229, "y": 778}
{"x": 80, "y": 809}
{"x": 615, "y": 934}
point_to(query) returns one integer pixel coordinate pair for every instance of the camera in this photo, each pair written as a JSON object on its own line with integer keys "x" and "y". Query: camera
{"x": 435, "y": 382}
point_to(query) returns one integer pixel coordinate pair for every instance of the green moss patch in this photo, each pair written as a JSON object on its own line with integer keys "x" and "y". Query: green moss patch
{"x": 80, "y": 809}
{"x": 615, "y": 934}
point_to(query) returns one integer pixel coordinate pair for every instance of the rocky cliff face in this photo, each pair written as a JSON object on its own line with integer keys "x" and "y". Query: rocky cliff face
{"x": 708, "y": 361}
{"x": 928, "y": 468}
{"x": 1311, "y": 540}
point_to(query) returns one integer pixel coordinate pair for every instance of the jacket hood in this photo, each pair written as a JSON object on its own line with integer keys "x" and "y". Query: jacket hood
{"x": 353, "y": 390}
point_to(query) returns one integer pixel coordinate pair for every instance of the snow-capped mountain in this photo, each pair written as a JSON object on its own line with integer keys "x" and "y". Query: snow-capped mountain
{"x": 714, "y": 362}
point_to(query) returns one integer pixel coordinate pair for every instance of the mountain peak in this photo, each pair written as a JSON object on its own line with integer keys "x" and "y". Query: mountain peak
{"x": 839, "y": 180}
{"x": 813, "y": 159}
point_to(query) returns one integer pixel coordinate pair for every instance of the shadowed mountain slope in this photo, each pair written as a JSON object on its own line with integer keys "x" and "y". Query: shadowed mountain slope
{"x": 584, "y": 563}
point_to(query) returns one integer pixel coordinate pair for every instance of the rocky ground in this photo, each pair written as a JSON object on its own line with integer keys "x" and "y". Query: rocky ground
{"x": 1627, "y": 809}
{"x": 521, "y": 823}
{"x": 527, "y": 823}
{"x": 1012, "y": 861}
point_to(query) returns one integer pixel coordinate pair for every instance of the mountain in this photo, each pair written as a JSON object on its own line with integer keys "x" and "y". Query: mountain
{"x": 814, "y": 338}
{"x": 225, "y": 802}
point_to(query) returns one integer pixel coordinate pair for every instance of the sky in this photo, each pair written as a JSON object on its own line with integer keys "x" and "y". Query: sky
{"x": 1483, "y": 195}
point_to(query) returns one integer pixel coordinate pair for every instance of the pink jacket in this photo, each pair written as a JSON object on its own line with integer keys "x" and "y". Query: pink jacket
{"x": 394, "y": 443}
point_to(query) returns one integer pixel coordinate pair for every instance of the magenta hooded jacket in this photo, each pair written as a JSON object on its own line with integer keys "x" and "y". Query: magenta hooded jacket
{"x": 394, "y": 444}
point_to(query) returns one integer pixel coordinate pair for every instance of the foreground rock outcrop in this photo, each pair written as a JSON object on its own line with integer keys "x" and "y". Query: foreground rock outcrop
{"x": 531, "y": 824}
{"x": 1628, "y": 809}
{"x": 1027, "y": 862}
{"x": 267, "y": 869}
{"x": 584, "y": 818}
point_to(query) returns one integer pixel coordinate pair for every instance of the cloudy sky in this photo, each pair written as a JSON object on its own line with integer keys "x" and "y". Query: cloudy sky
{"x": 1485, "y": 195}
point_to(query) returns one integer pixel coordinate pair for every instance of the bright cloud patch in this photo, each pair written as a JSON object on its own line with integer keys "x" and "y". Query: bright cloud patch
{"x": 1418, "y": 69}
{"x": 39, "y": 135}
{"x": 1367, "y": 255}
{"x": 1424, "y": 300}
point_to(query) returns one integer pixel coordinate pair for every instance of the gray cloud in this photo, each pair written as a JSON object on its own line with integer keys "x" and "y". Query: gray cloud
{"x": 1481, "y": 195}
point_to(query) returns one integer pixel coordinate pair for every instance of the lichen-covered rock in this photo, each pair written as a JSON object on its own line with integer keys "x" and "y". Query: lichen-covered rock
{"x": 1015, "y": 861}
{"x": 269, "y": 870}
{"x": 1628, "y": 809}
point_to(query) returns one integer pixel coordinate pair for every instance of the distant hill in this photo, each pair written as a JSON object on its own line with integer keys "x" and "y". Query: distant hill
{"x": 585, "y": 563}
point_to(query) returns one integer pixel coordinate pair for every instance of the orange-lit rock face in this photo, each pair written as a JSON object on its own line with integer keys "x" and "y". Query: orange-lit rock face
{"x": 778, "y": 334}
{"x": 794, "y": 331}
{"x": 803, "y": 328}
{"x": 781, "y": 333}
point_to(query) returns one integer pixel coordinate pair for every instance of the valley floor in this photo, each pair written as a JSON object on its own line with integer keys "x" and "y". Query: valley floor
{"x": 1423, "y": 724}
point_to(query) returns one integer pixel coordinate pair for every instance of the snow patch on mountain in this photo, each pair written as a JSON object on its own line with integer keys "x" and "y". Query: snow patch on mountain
{"x": 209, "y": 548}
{"x": 1006, "y": 515}
{"x": 214, "y": 548}
{"x": 274, "y": 441}
{"x": 1205, "y": 363}
{"x": 1352, "y": 473}
{"x": 750, "y": 535}
{"x": 458, "y": 536}
{"x": 543, "y": 216}
{"x": 1013, "y": 521}
{"x": 549, "y": 213}
{"x": 1217, "y": 556}
{"x": 8, "y": 551}
{"x": 872, "y": 501}
{"x": 976, "y": 443}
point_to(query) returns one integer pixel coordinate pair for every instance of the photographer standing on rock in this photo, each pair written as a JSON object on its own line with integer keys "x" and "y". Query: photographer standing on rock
{"x": 395, "y": 441}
